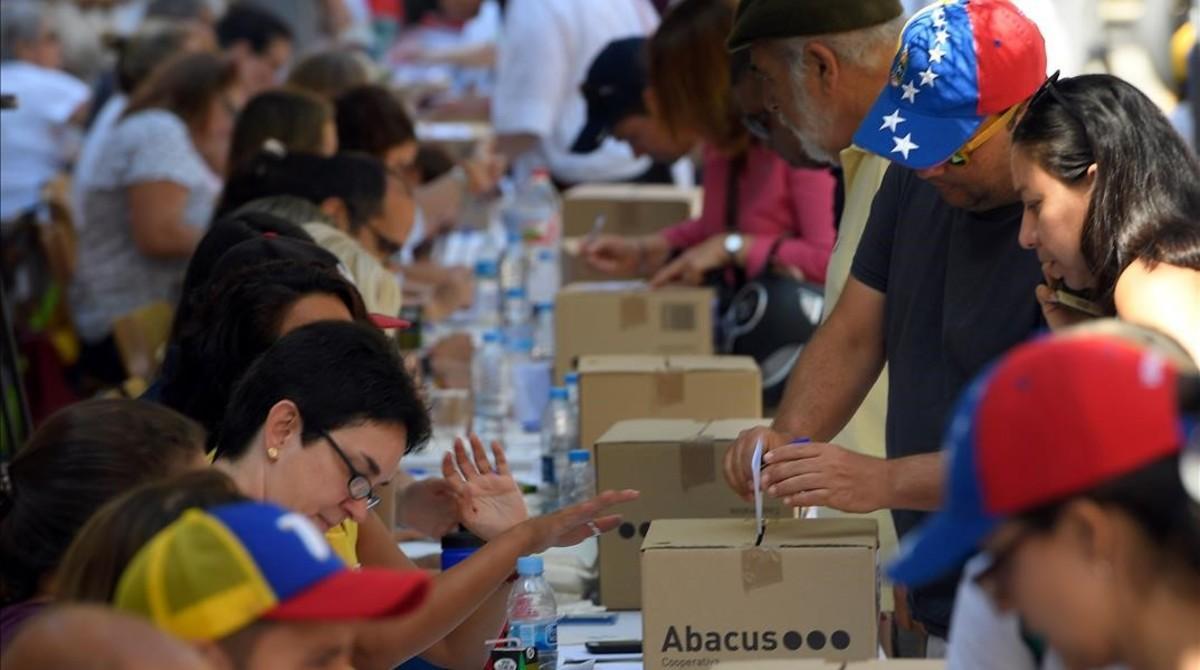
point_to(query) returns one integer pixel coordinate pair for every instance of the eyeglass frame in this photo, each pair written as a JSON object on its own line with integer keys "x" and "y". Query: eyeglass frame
{"x": 369, "y": 495}
{"x": 1050, "y": 87}
{"x": 962, "y": 157}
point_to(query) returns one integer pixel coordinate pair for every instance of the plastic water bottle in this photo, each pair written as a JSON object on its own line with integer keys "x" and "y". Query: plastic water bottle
{"x": 487, "y": 293}
{"x": 533, "y": 613}
{"x": 543, "y": 331}
{"x": 534, "y": 209}
{"x": 514, "y": 266}
{"x": 579, "y": 482}
{"x": 518, "y": 317}
{"x": 490, "y": 379}
{"x": 530, "y": 385}
{"x": 572, "y": 381}
{"x": 544, "y": 274}
{"x": 558, "y": 439}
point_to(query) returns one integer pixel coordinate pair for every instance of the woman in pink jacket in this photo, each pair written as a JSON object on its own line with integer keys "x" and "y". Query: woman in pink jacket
{"x": 758, "y": 212}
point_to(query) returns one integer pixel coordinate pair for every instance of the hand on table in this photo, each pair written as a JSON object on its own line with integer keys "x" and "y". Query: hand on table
{"x": 691, "y": 267}
{"x": 612, "y": 254}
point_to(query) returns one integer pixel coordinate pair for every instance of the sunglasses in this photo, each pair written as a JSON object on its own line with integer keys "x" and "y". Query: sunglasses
{"x": 987, "y": 131}
{"x": 1049, "y": 89}
{"x": 358, "y": 486}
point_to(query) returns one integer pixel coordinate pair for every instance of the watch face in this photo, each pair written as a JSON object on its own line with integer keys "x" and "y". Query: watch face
{"x": 733, "y": 243}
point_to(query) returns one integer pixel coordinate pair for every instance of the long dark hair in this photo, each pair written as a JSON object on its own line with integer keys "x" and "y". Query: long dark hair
{"x": 1146, "y": 198}
{"x": 186, "y": 85}
{"x": 293, "y": 117}
{"x": 239, "y": 319}
{"x": 79, "y": 459}
{"x": 93, "y": 564}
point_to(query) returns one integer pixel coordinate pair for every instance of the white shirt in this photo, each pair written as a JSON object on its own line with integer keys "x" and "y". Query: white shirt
{"x": 89, "y": 156}
{"x": 36, "y": 140}
{"x": 545, "y": 51}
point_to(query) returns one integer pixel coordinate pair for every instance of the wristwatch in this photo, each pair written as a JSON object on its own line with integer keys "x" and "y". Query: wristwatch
{"x": 733, "y": 245}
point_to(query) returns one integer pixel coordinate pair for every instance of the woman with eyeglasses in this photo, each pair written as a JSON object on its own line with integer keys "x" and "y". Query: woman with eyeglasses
{"x": 1089, "y": 515}
{"x": 1112, "y": 206}
{"x": 368, "y": 212}
{"x": 321, "y": 420}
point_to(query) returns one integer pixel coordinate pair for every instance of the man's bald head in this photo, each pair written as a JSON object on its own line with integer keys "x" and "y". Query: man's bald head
{"x": 84, "y": 637}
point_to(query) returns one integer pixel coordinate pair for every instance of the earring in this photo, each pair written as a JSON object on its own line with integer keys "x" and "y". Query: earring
{"x": 272, "y": 453}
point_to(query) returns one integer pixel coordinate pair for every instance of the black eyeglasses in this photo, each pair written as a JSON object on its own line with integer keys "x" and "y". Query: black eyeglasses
{"x": 387, "y": 245}
{"x": 359, "y": 486}
{"x": 757, "y": 125}
{"x": 1050, "y": 87}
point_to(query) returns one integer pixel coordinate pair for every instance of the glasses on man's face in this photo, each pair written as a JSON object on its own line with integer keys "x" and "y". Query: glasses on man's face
{"x": 358, "y": 486}
{"x": 987, "y": 131}
{"x": 387, "y": 245}
{"x": 757, "y": 125}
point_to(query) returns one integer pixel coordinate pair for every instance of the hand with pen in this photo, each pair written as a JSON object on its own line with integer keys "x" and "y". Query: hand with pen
{"x": 801, "y": 473}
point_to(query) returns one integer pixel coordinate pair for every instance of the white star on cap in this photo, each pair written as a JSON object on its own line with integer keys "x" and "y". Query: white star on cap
{"x": 927, "y": 77}
{"x": 939, "y": 18}
{"x": 943, "y": 36}
{"x": 904, "y": 145}
{"x": 910, "y": 92}
{"x": 892, "y": 121}
{"x": 936, "y": 54}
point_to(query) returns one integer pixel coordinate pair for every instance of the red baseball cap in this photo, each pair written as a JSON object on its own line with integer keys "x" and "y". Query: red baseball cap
{"x": 1055, "y": 418}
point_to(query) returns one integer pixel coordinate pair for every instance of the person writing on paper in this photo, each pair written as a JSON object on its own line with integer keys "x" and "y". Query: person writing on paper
{"x": 756, "y": 209}
{"x": 1087, "y": 516}
{"x": 1112, "y": 206}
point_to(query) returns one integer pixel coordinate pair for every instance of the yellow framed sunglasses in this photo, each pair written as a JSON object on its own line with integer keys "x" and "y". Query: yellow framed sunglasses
{"x": 962, "y": 157}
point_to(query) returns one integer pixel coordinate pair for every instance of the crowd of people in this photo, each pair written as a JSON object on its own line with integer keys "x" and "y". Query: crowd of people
{"x": 1005, "y": 375}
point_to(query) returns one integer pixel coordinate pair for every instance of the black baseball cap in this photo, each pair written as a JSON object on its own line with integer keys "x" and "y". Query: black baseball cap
{"x": 613, "y": 90}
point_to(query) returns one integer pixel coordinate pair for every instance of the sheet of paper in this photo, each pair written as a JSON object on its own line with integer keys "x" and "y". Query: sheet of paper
{"x": 756, "y": 470}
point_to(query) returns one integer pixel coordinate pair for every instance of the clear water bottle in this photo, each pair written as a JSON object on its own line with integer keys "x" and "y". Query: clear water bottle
{"x": 487, "y": 293}
{"x": 572, "y": 382}
{"x": 558, "y": 439}
{"x": 579, "y": 481}
{"x": 533, "y": 210}
{"x": 529, "y": 387}
{"x": 543, "y": 331}
{"x": 544, "y": 274}
{"x": 533, "y": 613}
{"x": 490, "y": 379}
{"x": 518, "y": 316}
{"x": 514, "y": 266}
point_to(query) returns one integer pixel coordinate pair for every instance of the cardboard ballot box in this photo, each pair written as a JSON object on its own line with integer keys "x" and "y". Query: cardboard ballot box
{"x": 629, "y": 318}
{"x": 709, "y": 595}
{"x": 677, "y": 466}
{"x": 628, "y": 209}
{"x": 705, "y": 388}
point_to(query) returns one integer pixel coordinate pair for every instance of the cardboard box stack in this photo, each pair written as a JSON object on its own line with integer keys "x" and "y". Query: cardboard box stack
{"x": 629, "y": 318}
{"x": 705, "y": 388}
{"x": 677, "y": 466}
{"x": 628, "y": 210}
{"x": 710, "y": 595}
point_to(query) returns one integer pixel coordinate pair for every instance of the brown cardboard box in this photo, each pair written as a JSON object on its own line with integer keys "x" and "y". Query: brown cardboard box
{"x": 628, "y": 209}
{"x": 676, "y": 464}
{"x": 705, "y": 388}
{"x": 710, "y": 595}
{"x": 628, "y": 318}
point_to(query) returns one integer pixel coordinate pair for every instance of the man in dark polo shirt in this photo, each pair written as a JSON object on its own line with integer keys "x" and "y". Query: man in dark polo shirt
{"x": 939, "y": 286}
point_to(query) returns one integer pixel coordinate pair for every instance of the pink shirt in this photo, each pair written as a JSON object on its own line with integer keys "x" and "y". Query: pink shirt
{"x": 774, "y": 201}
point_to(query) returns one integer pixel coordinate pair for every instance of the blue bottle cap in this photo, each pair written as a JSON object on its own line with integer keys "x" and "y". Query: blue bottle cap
{"x": 572, "y": 378}
{"x": 490, "y": 336}
{"x": 558, "y": 393}
{"x": 578, "y": 456}
{"x": 516, "y": 292}
{"x": 485, "y": 268}
{"x": 529, "y": 566}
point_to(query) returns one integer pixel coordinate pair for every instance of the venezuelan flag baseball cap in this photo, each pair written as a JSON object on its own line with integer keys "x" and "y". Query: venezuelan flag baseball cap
{"x": 959, "y": 62}
{"x": 1056, "y": 417}
{"x": 213, "y": 572}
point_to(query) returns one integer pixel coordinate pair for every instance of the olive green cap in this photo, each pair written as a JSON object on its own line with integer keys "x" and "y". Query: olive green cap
{"x": 770, "y": 19}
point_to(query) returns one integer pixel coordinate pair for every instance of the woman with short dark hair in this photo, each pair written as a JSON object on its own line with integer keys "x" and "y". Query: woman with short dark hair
{"x": 1112, "y": 205}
